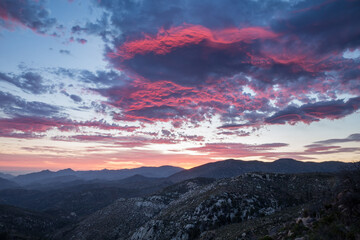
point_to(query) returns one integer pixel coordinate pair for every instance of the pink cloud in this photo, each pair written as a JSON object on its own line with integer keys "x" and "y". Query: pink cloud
{"x": 167, "y": 40}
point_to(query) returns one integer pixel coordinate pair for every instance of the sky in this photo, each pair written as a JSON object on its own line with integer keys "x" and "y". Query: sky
{"x": 94, "y": 84}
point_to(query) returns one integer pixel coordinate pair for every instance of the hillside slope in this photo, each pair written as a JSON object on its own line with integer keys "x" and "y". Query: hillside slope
{"x": 190, "y": 208}
{"x": 18, "y": 223}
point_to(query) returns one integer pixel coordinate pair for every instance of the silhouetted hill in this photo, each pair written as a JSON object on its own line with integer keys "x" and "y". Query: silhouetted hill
{"x": 54, "y": 182}
{"x": 35, "y": 177}
{"x": 231, "y": 168}
{"x": 66, "y": 175}
{"x": 187, "y": 209}
{"x": 142, "y": 208}
{"x": 6, "y": 175}
{"x": 18, "y": 223}
{"x": 80, "y": 196}
{"x": 153, "y": 172}
{"x": 5, "y": 184}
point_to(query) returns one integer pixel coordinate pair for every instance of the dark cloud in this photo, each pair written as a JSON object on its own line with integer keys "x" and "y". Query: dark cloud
{"x": 327, "y": 26}
{"x": 198, "y": 57}
{"x": 101, "y": 27}
{"x": 352, "y": 138}
{"x": 16, "y": 106}
{"x": 269, "y": 47}
{"x": 29, "y": 13}
{"x": 33, "y": 82}
{"x": 77, "y": 29}
{"x": 126, "y": 15}
{"x": 108, "y": 78}
{"x": 315, "y": 111}
{"x": 65, "y": 72}
{"x": 66, "y": 52}
{"x": 322, "y": 150}
{"x": 65, "y": 93}
{"x": 234, "y": 126}
{"x": 240, "y": 133}
{"x": 195, "y": 55}
{"x": 35, "y": 126}
{"x": 76, "y": 98}
{"x": 192, "y": 54}
{"x": 351, "y": 74}
{"x": 28, "y": 82}
{"x": 154, "y": 113}
{"x": 166, "y": 132}
{"x": 81, "y": 40}
{"x": 186, "y": 61}
{"x": 318, "y": 148}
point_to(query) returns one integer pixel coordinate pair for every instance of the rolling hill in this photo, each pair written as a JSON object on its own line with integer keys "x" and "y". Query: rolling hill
{"x": 231, "y": 168}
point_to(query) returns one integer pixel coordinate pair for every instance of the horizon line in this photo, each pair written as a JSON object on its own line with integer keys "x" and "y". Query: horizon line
{"x": 18, "y": 173}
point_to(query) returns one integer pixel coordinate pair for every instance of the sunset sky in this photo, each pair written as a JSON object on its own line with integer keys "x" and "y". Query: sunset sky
{"x": 94, "y": 84}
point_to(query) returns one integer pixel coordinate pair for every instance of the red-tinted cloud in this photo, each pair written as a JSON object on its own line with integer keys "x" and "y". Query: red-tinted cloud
{"x": 237, "y": 149}
{"x": 30, "y": 127}
{"x": 30, "y": 124}
{"x": 167, "y": 41}
{"x": 194, "y": 72}
{"x": 267, "y": 151}
{"x": 167, "y": 101}
{"x": 316, "y": 148}
{"x": 193, "y": 54}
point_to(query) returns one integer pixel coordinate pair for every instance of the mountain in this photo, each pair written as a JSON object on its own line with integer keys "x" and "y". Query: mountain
{"x": 6, "y": 184}
{"x": 80, "y": 196}
{"x": 18, "y": 223}
{"x": 67, "y": 175}
{"x": 54, "y": 182}
{"x": 34, "y": 177}
{"x": 231, "y": 168}
{"x": 152, "y": 172}
{"x": 6, "y": 175}
{"x": 220, "y": 169}
{"x": 120, "y": 219}
{"x": 189, "y": 209}
{"x": 248, "y": 206}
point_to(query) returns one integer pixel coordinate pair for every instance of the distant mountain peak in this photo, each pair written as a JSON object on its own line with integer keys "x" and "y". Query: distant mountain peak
{"x": 288, "y": 160}
{"x": 105, "y": 174}
{"x": 231, "y": 160}
{"x": 231, "y": 168}
{"x": 65, "y": 170}
{"x": 6, "y": 175}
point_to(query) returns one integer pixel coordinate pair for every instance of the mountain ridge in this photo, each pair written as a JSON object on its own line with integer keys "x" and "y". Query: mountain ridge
{"x": 233, "y": 167}
{"x": 105, "y": 174}
{"x": 6, "y": 183}
{"x": 218, "y": 169}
